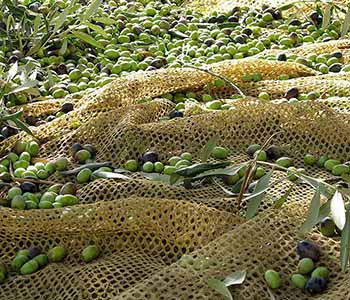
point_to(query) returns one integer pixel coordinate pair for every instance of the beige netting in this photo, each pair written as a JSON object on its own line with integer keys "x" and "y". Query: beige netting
{"x": 143, "y": 227}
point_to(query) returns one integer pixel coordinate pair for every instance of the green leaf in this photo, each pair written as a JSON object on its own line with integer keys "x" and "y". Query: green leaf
{"x": 91, "y": 166}
{"x": 87, "y": 39}
{"x": 63, "y": 49}
{"x": 12, "y": 72}
{"x": 220, "y": 287}
{"x": 286, "y": 6}
{"x": 36, "y": 25}
{"x": 313, "y": 213}
{"x": 50, "y": 78}
{"x": 345, "y": 243}
{"x": 92, "y": 9}
{"x": 235, "y": 278}
{"x": 97, "y": 28}
{"x": 104, "y": 20}
{"x": 23, "y": 126}
{"x": 225, "y": 190}
{"x": 258, "y": 194}
{"x": 346, "y": 24}
{"x": 208, "y": 148}
{"x": 26, "y": 86}
{"x": 338, "y": 210}
{"x": 324, "y": 211}
{"x": 229, "y": 171}
{"x": 326, "y": 16}
{"x": 174, "y": 178}
{"x": 157, "y": 177}
{"x": 315, "y": 183}
{"x": 111, "y": 175}
{"x": 11, "y": 117}
{"x": 280, "y": 201}
{"x": 59, "y": 21}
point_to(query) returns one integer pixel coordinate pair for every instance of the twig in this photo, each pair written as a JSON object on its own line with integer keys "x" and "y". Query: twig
{"x": 228, "y": 81}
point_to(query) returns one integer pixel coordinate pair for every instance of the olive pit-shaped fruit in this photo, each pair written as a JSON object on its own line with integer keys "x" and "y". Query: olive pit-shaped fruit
{"x": 273, "y": 279}
{"x": 306, "y": 265}
{"x": 90, "y": 253}
{"x": 322, "y": 272}
{"x": 76, "y": 147}
{"x": 327, "y": 227}
{"x": 56, "y": 254}
{"x": 34, "y": 251}
{"x": 41, "y": 259}
{"x": 18, "y": 262}
{"x": 299, "y": 281}
{"x": 252, "y": 149}
{"x": 91, "y": 149}
{"x": 68, "y": 188}
{"x": 29, "y": 267}
{"x": 219, "y": 153}
{"x": 316, "y": 285}
{"x": 29, "y": 187}
{"x": 308, "y": 249}
{"x": 274, "y": 152}
{"x": 150, "y": 156}
{"x": 82, "y": 156}
{"x": 131, "y": 165}
{"x": 61, "y": 164}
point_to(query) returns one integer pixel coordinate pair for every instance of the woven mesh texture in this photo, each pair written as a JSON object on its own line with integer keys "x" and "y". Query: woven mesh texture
{"x": 143, "y": 227}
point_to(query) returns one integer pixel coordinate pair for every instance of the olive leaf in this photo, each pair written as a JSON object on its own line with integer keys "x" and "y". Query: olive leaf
{"x": 346, "y": 24}
{"x": 220, "y": 287}
{"x": 96, "y": 28}
{"x": 345, "y": 242}
{"x": 326, "y": 16}
{"x": 92, "y": 9}
{"x": 313, "y": 212}
{"x": 104, "y": 20}
{"x": 208, "y": 148}
{"x": 271, "y": 295}
{"x": 87, "y": 39}
{"x": 338, "y": 210}
{"x": 315, "y": 183}
{"x": 228, "y": 171}
{"x": 257, "y": 196}
{"x": 91, "y": 166}
{"x": 12, "y": 72}
{"x": 111, "y": 175}
{"x": 237, "y": 277}
{"x": 225, "y": 190}
{"x": 280, "y": 201}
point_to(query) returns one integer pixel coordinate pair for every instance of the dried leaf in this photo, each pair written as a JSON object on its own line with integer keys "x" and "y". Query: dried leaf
{"x": 338, "y": 210}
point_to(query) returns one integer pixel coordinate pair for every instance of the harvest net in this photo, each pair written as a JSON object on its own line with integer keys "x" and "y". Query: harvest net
{"x": 143, "y": 227}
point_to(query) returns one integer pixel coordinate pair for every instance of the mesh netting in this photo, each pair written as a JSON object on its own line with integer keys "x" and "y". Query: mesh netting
{"x": 143, "y": 227}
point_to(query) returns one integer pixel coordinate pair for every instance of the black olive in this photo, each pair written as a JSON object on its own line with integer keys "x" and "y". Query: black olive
{"x": 67, "y": 107}
{"x": 34, "y": 251}
{"x": 316, "y": 285}
{"x": 176, "y": 114}
{"x": 282, "y": 57}
{"x": 247, "y": 31}
{"x": 76, "y": 147}
{"x": 307, "y": 249}
{"x": 292, "y": 93}
{"x": 91, "y": 149}
{"x": 29, "y": 187}
{"x": 150, "y": 156}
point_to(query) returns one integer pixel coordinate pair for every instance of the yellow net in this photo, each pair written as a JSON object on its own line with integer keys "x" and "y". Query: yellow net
{"x": 143, "y": 227}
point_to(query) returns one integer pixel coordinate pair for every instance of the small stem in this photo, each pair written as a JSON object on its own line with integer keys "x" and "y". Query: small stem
{"x": 219, "y": 76}
{"x": 39, "y": 181}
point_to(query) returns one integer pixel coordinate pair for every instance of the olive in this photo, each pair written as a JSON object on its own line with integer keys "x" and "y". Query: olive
{"x": 295, "y": 22}
{"x": 68, "y": 188}
{"x": 274, "y": 152}
{"x": 76, "y": 147}
{"x": 91, "y": 149}
{"x": 308, "y": 249}
{"x": 316, "y": 285}
{"x": 233, "y": 19}
{"x": 29, "y": 187}
{"x": 34, "y": 6}
{"x": 67, "y": 107}
{"x": 291, "y": 93}
{"x": 61, "y": 69}
{"x": 150, "y": 156}
{"x": 175, "y": 114}
{"x": 34, "y": 251}
{"x": 327, "y": 227}
{"x": 282, "y": 57}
